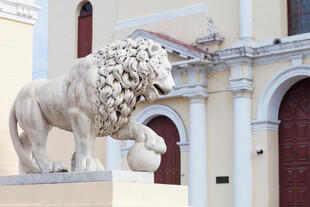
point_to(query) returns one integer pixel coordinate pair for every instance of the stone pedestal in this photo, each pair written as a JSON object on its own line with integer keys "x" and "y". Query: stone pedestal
{"x": 104, "y": 189}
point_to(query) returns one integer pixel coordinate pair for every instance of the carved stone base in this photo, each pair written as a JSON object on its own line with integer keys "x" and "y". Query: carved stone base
{"x": 120, "y": 190}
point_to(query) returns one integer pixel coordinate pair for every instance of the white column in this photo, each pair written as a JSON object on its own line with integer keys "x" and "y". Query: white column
{"x": 245, "y": 24}
{"x": 242, "y": 188}
{"x": 197, "y": 153}
{"x": 246, "y": 19}
{"x": 113, "y": 154}
{"x": 242, "y": 87}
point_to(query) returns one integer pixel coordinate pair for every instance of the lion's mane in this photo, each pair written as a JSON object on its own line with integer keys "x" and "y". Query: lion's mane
{"x": 125, "y": 70}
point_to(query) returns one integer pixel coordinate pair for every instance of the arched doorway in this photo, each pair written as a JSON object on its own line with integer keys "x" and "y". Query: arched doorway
{"x": 85, "y": 30}
{"x": 294, "y": 146}
{"x": 169, "y": 169}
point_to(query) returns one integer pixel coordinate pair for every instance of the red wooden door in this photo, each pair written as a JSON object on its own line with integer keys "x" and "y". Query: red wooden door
{"x": 294, "y": 146}
{"x": 85, "y": 34}
{"x": 169, "y": 169}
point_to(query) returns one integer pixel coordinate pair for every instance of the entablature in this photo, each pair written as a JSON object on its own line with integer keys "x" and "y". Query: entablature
{"x": 264, "y": 52}
{"x": 19, "y": 10}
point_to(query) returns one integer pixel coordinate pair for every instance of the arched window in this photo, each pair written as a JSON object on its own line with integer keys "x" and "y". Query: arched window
{"x": 85, "y": 30}
{"x": 298, "y": 16}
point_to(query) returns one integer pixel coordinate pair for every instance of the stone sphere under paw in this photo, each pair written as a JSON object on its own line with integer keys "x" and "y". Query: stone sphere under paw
{"x": 140, "y": 158}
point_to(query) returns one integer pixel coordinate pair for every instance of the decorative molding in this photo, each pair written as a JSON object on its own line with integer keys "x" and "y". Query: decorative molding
{"x": 198, "y": 90}
{"x": 162, "y": 16}
{"x": 19, "y": 10}
{"x": 258, "y": 125}
{"x": 287, "y": 39}
{"x": 192, "y": 78}
{"x": 267, "y": 52}
{"x": 173, "y": 47}
{"x": 177, "y": 77}
{"x": 236, "y": 52}
{"x": 150, "y": 112}
{"x": 194, "y": 61}
{"x": 241, "y": 77}
{"x": 297, "y": 59}
{"x": 213, "y": 36}
{"x": 240, "y": 85}
{"x": 273, "y": 50}
{"x": 184, "y": 146}
{"x": 271, "y": 97}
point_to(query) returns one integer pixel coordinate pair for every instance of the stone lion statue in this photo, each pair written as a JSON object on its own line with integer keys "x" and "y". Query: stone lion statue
{"x": 95, "y": 98}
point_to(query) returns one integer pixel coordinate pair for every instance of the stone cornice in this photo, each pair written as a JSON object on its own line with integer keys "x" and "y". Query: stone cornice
{"x": 19, "y": 10}
{"x": 263, "y": 52}
{"x": 238, "y": 52}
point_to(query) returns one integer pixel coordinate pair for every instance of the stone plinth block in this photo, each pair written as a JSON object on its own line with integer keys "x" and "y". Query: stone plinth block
{"x": 95, "y": 189}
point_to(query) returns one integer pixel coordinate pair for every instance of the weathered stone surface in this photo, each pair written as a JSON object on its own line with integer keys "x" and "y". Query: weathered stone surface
{"x": 78, "y": 177}
{"x": 95, "y": 98}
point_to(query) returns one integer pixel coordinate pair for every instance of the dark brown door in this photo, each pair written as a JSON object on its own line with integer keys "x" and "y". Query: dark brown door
{"x": 85, "y": 30}
{"x": 169, "y": 169}
{"x": 294, "y": 146}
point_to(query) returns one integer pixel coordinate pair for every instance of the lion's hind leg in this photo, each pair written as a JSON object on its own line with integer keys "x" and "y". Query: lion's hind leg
{"x": 39, "y": 154}
{"x": 23, "y": 169}
{"x": 34, "y": 140}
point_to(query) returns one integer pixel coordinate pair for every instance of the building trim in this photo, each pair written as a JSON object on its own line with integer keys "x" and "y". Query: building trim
{"x": 188, "y": 90}
{"x": 296, "y": 47}
{"x": 161, "y": 16}
{"x": 258, "y": 125}
{"x": 174, "y": 46}
{"x": 270, "y": 100}
{"x": 213, "y": 36}
{"x": 198, "y": 90}
{"x": 150, "y": 112}
{"x": 240, "y": 85}
{"x": 19, "y": 10}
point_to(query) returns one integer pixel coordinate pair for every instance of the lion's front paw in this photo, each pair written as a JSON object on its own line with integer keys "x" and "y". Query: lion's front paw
{"x": 156, "y": 144}
{"x": 88, "y": 164}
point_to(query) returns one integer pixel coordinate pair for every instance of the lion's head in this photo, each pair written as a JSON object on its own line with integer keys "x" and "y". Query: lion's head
{"x": 128, "y": 70}
{"x": 163, "y": 82}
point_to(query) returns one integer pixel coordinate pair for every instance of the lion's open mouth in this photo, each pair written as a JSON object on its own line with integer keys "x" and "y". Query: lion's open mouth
{"x": 160, "y": 91}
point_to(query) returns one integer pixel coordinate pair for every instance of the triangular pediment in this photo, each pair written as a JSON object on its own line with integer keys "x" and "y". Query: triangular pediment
{"x": 178, "y": 52}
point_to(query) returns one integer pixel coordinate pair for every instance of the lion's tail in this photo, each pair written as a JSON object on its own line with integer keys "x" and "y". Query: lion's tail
{"x": 24, "y": 158}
